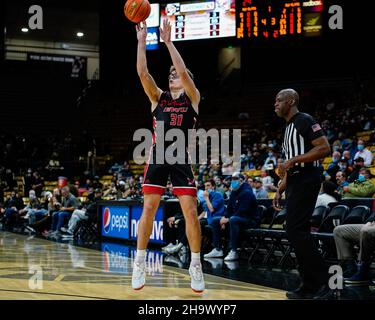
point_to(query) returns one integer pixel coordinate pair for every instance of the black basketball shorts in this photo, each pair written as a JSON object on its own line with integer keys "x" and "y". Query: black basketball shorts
{"x": 181, "y": 175}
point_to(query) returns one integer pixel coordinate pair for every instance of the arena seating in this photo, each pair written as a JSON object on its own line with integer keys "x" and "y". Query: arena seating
{"x": 270, "y": 240}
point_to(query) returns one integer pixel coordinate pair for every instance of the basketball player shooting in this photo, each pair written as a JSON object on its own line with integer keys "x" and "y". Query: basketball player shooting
{"x": 177, "y": 109}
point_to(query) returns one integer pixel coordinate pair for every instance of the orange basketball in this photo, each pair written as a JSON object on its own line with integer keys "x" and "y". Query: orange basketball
{"x": 137, "y": 10}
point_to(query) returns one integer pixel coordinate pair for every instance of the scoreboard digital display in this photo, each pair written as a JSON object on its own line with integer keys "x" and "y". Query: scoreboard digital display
{"x": 280, "y": 18}
{"x": 204, "y": 19}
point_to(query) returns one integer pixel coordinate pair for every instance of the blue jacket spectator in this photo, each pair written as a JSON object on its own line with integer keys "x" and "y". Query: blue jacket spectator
{"x": 214, "y": 202}
{"x": 242, "y": 203}
{"x": 241, "y": 214}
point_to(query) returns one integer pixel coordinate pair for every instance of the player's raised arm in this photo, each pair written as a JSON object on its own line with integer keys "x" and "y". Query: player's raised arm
{"x": 148, "y": 83}
{"x": 187, "y": 82}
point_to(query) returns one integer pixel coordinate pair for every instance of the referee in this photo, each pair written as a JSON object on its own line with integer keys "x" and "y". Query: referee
{"x": 304, "y": 144}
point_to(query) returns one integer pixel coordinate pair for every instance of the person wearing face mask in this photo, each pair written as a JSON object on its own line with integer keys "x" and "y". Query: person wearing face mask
{"x": 333, "y": 167}
{"x": 361, "y": 188}
{"x": 364, "y": 153}
{"x": 241, "y": 214}
{"x": 271, "y": 159}
{"x": 344, "y": 167}
{"x": 213, "y": 209}
{"x": 359, "y": 163}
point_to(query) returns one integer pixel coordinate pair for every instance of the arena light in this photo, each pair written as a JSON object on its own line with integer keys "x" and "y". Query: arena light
{"x": 80, "y": 34}
{"x": 25, "y": 30}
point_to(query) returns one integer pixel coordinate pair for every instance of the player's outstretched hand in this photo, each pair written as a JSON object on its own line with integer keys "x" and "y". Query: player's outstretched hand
{"x": 165, "y": 32}
{"x": 141, "y": 29}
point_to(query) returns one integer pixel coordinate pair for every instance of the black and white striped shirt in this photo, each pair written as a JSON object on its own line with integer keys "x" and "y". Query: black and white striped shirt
{"x": 299, "y": 132}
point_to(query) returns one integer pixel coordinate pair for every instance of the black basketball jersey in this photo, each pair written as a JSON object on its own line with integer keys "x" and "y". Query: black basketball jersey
{"x": 175, "y": 114}
{"x": 299, "y": 132}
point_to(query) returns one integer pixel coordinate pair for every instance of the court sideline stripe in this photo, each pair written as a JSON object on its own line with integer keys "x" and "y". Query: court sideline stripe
{"x": 54, "y": 294}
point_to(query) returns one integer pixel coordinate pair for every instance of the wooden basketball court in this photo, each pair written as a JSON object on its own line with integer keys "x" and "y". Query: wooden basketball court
{"x": 33, "y": 268}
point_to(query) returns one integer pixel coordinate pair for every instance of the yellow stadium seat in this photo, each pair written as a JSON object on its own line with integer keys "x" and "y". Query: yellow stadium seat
{"x": 271, "y": 195}
{"x": 372, "y": 170}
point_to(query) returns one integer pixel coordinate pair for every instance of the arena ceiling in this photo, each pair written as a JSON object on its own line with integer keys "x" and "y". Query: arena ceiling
{"x": 62, "y": 19}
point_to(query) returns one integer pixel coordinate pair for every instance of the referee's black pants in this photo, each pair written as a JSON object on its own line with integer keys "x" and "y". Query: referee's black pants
{"x": 303, "y": 187}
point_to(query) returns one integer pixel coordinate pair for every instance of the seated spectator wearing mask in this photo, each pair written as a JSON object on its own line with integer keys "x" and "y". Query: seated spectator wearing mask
{"x": 345, "y": 167}
{"x": 348, "y": 235}
{"x": 362, "y": 188}
{"x": 359, "y": 163}
{"x": 213, "y": 210}
{"x": 241, "y": 214}
{"x": 271, "y": 159}
{"x": 260, "y": 192}
{"x": 333, "y": 167}
{"x": 327, "y": 194}
{"x": 364, "y": 153}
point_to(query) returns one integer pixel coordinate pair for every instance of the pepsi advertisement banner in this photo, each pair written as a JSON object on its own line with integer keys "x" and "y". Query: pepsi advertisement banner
{"x": 157, "y": 228}
{"x": 115, "y": 222}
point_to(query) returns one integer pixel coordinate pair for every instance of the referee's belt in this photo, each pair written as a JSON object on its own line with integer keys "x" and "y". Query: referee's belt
{"x": 298, "y": 169}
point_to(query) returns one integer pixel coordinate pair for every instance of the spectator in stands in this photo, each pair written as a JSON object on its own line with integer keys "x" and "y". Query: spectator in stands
{"x": 241, "y": 213}
{"x": 341, "y": 182}
{"x": 40, "y": 213}
{"x": 12, "y": 205}
{"x": 251, "y": 183}
{"x": 227, "y": 168}
{"x": 219, "y": 187}
{"x": 267, "y": 181}
{"x": 345, "y": 167}
{"x": 346, "y": 236}
{"x": 364, "y": 153}
{"x": 260, "y": 192}
{"x": 89, "y": 212}
{"x": 37, "y": 183}
{"x": 96, "y": 184}
{"x": 213, "y": 210}
{"x": 121, "y": 189}
{"x": 89, "y": 184}
{"x": 125, "y": 170}
{"x": 111, "y": 191}
{"x": 362, "y": 188}
{"x": 54, "y": 167}
{"x": 115, "y": 168}
{"x": 327, "y": 194}
{"x": 346, "y": 156}
{"x": 177, "y": 222}
{"x": 70, "y": 203}
{"x": 333, "y": 167}
{"x": 271, "y": 159}
{"x": 32, "y": 206}
{"x": 359, "y": 163}
{"x": 168, "y": 192}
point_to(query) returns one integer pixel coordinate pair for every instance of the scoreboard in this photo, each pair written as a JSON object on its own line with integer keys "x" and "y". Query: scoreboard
{"x": 202, "y": 19}
{"x": 276, "y": 19}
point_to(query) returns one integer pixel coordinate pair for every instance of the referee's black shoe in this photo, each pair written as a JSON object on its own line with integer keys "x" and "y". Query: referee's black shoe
{"x": 324, "y": 293}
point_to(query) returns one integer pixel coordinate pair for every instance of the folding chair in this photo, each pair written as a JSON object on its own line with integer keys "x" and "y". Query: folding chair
{"x": 337, "y": 213}
{"x": 318, "y": 216}
{"x": 357, "y": 215}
